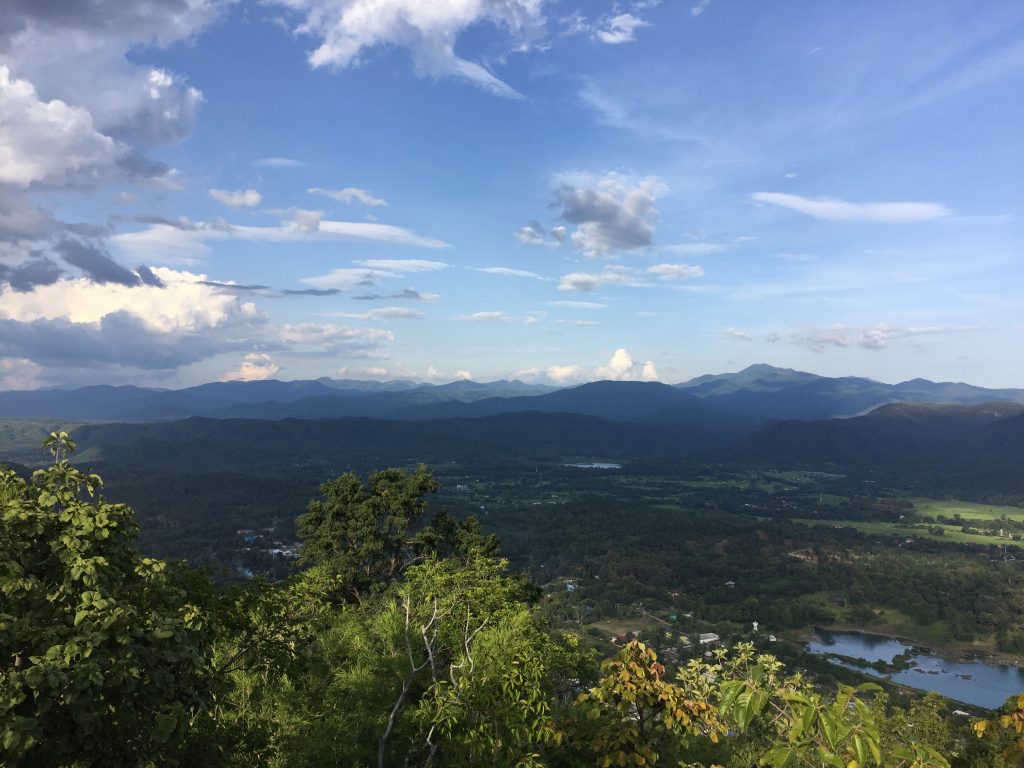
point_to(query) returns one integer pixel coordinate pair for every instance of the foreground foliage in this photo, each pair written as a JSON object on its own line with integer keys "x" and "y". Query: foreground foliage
{"x": 404, "y": 642}
{"x": 103, "y": 657}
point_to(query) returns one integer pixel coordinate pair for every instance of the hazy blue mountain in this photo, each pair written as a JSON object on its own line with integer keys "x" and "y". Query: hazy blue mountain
{"x": 758, "y": 394}
{"x": 260, "y": 399}
{"x": 766, "y": 393}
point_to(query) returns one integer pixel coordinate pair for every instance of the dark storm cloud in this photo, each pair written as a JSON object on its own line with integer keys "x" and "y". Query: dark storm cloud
{"x": 96, "y": 265}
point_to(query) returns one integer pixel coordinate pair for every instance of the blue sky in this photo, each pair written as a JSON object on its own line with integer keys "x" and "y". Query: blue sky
{"x": 193, "y": 190}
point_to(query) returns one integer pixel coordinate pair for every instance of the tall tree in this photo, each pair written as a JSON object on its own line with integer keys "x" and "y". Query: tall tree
{"x": 103, "y": 657}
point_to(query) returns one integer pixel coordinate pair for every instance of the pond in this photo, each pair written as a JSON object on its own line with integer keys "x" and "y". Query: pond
{"x": 972, "y": 682}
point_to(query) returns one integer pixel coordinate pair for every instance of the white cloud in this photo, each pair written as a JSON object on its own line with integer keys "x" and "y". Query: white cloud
{"x": 350, "y": 195}
{"x": 364, "y": 372}
{"x": 561, "y": 375}
{"x": 19, "y": 373}
{"x": 508, "y": 272}
{"x": 622, "y": 367}
{"x": 491, "y": 316}
{"x": 736, "y": 333}
{"x": 877, "y": 336}
{"x": 50, "y": 142}
{"x": 565, "y": 374}
{"x": 181, "y": 243}
{"x": 255, "y": 367}
{"x": 436, "y": 374}
{"x": 612, "y": 213}
{"x": 335, "y": 339}
{"x": 244, "y": 198}
{"x": 700, "y": 7}
{"x": 183, "y": 303}
{"x": 277, "y": 162}
{"x": 170, "y": 320}
{"x": 403, "y": 266}
{"x": 346, "y": 29}
{"x": 831, "y": 209}
{"x": 675, "y": 271}
{"x": 587, "y": 282}
{"x": 620, "y": 29}
{"x": 383, "y": 313}
{"x": 345, "y": 278}
{"x": 78, "y": 54}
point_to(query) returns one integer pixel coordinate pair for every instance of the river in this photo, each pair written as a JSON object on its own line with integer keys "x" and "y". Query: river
{"x": 972, "y": 682}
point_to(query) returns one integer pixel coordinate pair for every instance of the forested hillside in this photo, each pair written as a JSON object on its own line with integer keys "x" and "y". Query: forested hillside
{"x": 405, "y": 640}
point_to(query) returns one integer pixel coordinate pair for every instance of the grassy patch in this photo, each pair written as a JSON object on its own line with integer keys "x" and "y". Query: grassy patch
{"x": 966, "y": 509}
{"x": 951, "y": 533}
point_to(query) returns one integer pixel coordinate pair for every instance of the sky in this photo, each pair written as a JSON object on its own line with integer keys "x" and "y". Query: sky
{"x": 201, "y": 190}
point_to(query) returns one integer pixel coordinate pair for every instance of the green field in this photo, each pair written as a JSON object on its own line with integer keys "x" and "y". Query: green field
{"x": 952, "y": 533}
{"x": 966, "y": 509}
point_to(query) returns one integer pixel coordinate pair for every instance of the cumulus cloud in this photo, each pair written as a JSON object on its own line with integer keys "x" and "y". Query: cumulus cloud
{"x": 622, "y": 367}
{"x": 561, "y": 375}
{"x": 620, "y": 29}
{"x": 588, "y": 282}
{"x": 535, "y": 234}
{"x": 436, "y": 374}
{"x": 675, "y": 271}
{"x": 184, "y": 303}
{"x": 33, "y": 271}
{"x": 611, "y": 213}
{"x": 347, "y": 29}
{"x": 50, "y": 142}
{"x": 256, "y": 366}
{"x": 19, "y": 373}
{"x": 350, "y": 195}
{"x": 831, "y": 209}
{"x": 97, "y": 265}
{"x": 22, "y": 220}
{"x": 243, "y": 198}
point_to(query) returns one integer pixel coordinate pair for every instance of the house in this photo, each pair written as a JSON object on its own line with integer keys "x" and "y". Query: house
{"x": 709, "y": 637}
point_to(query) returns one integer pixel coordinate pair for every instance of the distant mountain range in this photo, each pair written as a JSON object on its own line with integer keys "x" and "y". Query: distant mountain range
{"x": 727, "y": 402}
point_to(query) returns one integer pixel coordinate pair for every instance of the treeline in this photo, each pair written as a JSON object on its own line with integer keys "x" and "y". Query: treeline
{"x": 406, "y": 640}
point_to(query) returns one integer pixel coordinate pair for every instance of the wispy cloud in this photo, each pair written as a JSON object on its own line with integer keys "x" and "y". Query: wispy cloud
{"x": 277, "y": 162}
{"x": 832, "y": 209}
{"x": 675, "y": 271}
{"x": 429, "y": 32}
{"x": 350, "y": 196}
{"x": 509, "y": 272}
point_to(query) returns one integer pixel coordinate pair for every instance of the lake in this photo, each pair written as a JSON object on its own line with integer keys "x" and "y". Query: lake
{"x": 972, "y": 682}
{"x": 596, "y": 465}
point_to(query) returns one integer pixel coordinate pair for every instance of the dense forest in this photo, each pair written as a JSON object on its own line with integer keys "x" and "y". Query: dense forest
{"x": 404, "y": 638}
